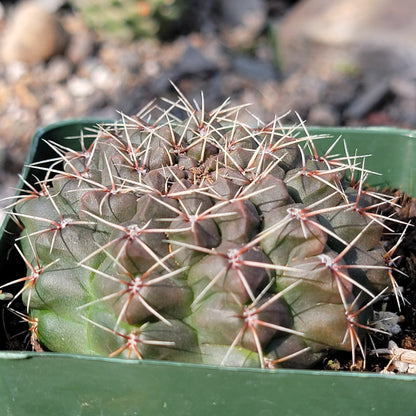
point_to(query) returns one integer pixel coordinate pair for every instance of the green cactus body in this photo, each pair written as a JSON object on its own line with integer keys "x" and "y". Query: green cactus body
{"x": 129, "y": 19}
{"x": 201, "y": 240}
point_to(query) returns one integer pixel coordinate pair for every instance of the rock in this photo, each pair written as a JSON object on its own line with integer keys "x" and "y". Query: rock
{"x": 82, "y": 42}
{"x": 15, "y": 71}
{"x": 254, "y": 68}
{"x": 80, "y": 87}
{"x": 242, "y": 21}
{"x": 298, "y": 93}
{"x": 341, "y": 91}
{"x": 60, "y": 100}
{"x": 323, "y": 115}
{"x": 51, "y": 5}
{"x": 59, "y": 69}
{"x": 403, "y": 112}
{"x": 193, "y": 62}
{"x": 368, "y": 100}
{"x": 26, "y": 92}
{"x": 377, "y": 118}
{"x": 372, "y": 36}
{"x": 80, "y": 48}
{"x": 32, "y": 35}
{"x": 103, "y": 78}
{"x": 403, "y": 87}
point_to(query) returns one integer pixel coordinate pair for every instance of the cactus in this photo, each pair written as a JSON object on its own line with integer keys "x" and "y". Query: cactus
{"x": 129, "y": 19}
{"x": 202, "y": 239}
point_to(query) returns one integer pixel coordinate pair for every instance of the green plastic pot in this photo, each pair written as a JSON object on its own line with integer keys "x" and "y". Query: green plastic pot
{"x": 61, "y": 384}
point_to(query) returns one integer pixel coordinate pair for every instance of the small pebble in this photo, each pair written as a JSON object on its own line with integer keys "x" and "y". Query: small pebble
{"x": 372, "y": 96}
{"x": 14, "y": 71}
{"x": 103, "y": 78}
{"x": 58, "y": 69}
{"x": 323, "y": 115}
{"x": 404, "y": 87}
{"x": 80, "y": 87}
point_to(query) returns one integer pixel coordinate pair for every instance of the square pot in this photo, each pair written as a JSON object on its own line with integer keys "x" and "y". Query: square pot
{"x": 61, "y": 384}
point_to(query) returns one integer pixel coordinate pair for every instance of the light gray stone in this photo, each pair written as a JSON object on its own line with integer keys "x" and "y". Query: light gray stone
{"x": 80, "y": 87}
{"x": 243, "y": 20}
{"x": 59, "y": 69}
{"x": 368, "y": 100}
{"x": 323, "y": 115}
{"x": 80, "y": 47}
{"x": 371, "y": 36}
{"x": 254, "y": 69}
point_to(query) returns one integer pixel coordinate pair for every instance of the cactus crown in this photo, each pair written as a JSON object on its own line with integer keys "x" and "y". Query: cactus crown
{"x": 187, "y": 235}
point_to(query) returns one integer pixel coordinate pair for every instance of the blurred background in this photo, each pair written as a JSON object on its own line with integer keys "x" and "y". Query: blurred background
{"x": 344, "y": 62}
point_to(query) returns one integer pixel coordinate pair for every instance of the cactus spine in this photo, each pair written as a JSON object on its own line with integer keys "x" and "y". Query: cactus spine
{"x": 202, "y": 239}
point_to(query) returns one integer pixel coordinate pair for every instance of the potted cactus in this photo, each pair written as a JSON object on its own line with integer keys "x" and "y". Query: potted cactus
{"x": 182, "y": 261}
